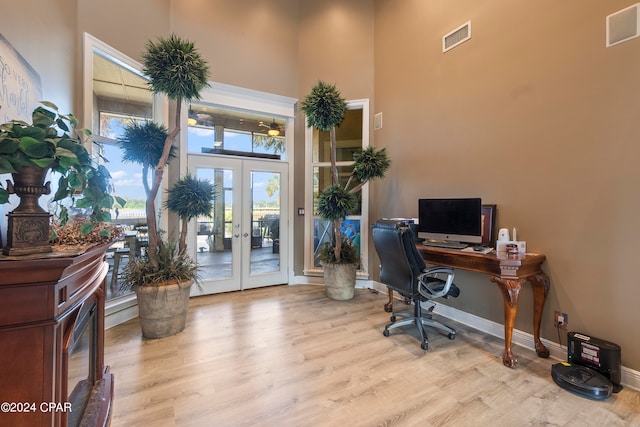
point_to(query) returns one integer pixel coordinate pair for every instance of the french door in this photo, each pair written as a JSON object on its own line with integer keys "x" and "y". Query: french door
{"x": 243, "y": 243}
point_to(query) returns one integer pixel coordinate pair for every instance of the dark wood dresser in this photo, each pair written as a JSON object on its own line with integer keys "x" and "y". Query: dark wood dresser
{"x": 52, "y": 370}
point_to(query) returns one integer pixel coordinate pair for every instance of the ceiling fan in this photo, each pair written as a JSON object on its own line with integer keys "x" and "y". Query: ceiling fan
{"x": 273, "y": 128}
{"x": 199, "y": 118}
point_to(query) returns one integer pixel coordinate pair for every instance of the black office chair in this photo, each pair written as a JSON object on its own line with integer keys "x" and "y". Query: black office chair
{"x": 403, "y": 270}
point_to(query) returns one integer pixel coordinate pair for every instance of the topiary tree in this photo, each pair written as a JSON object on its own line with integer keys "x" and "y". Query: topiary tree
{"x": 324, "y": 107}
{"x": 176, "y": 69}
{"x": 190, "y": 198}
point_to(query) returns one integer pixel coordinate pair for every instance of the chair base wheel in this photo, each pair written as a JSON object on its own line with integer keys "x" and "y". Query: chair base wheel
{"x": 424, "y": 346}
{"x": 385, "y": 332}
{"x": 392, "y": 319}
{"x": 452, "y": 336}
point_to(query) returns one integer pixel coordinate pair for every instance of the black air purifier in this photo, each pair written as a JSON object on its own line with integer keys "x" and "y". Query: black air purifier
{"x": 593, "y": 367}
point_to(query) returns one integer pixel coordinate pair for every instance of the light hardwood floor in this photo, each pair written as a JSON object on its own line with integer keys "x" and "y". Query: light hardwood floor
{"x": 289, "y": 356}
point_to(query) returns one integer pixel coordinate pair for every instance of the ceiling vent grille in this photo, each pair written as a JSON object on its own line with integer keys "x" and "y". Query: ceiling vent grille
{"x": 456, "y": 37}
{"x": 623, "y": 25}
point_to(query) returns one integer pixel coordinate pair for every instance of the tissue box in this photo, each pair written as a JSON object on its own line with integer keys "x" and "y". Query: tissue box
{"x": 501, "y": 245}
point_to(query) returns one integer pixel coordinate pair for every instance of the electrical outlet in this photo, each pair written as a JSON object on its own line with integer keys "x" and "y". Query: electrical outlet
{"x": 560, "y": 320}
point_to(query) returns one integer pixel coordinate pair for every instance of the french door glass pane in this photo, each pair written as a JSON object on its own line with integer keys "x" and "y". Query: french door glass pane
{"x": 215, "y": 232}
{"x": 265, "y": 222}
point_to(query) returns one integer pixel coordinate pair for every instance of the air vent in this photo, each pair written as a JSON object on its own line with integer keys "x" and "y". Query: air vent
{"x": 456, "y": 37}
{"x": 623, "y": 25}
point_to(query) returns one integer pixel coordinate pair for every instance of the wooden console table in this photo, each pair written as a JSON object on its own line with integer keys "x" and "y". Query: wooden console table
{"x": 509, "y": 272}
{"x": 48, "y": 302}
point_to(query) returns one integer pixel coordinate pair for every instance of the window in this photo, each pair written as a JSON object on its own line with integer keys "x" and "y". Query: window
{"x": 200, "y": 138}
{"x": 224, "y": 131}
{"x": 115, "y": 92}
{"x": 351, "y": 137}
{"x": 126, "y": 176}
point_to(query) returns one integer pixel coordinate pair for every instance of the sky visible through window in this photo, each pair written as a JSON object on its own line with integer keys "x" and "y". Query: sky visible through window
{"x": 127, "y": 176}
{"x": 200, "y": 138}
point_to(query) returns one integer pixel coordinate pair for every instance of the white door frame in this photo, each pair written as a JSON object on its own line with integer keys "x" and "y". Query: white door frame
{"x": 233, "y": 97}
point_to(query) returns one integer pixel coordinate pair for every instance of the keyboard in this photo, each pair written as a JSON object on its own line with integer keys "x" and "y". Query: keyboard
{"x": 446, "y": 245}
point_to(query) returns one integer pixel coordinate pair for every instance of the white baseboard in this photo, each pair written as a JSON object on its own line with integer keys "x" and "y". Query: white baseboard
{"x": 630, "y": 378}
{"x": 120, "y": 311}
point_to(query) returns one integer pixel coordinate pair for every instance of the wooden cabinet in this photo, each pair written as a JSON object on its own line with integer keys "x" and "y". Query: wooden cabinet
{"x": 49, "y": 305}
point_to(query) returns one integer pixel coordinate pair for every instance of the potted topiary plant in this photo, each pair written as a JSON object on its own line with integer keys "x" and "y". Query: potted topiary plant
{"x": 325, "y": 107}
{"x": 29, "y": 151}
{"x": 163, "y": 293}
{"x": 176, "y": 69}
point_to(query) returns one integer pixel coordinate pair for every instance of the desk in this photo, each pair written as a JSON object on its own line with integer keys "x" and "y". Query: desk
{"x": 509, "y": 272}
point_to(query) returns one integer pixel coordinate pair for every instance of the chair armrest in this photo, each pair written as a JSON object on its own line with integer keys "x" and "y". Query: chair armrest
{"x": 428, "y": 289}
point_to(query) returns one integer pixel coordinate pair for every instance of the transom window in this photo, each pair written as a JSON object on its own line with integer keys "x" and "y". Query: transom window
{"x": 222, "y": 131}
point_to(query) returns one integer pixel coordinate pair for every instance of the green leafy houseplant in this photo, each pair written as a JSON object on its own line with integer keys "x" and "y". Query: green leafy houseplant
{"x": 53, "y": 142}
{"x": 324, "y": 107}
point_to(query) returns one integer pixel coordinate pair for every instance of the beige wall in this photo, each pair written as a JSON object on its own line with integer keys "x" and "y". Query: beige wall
{"x": 250, "y": 44}
{"x": 335, "y": 45}
{"x": 535, "y": 115}
{"x": 44, "y": 33}
{"x": 122, "y": 26}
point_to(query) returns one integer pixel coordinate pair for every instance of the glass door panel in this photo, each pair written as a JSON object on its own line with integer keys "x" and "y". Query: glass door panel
{"x": 215, "y": 232}
{"x": 266, "y": 213}
{"x": 265, "y": 222}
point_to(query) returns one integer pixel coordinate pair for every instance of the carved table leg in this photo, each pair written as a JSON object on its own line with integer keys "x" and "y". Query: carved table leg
{"x": 510, "y": 289}
{"x": 540, "y": 283}
{"x": 388, "y": 307}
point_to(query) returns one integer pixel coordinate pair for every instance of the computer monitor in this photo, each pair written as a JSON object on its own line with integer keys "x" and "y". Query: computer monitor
{"x": 451, "y": 220}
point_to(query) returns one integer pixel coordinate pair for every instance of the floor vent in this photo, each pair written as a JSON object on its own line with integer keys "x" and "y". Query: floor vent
{"x": 456, "y": 37}
{"x": 623, "y": 25}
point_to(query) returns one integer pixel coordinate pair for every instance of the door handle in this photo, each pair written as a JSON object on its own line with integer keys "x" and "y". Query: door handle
{"x": 236, "y": 235}
{"x": 246, "y": 234}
